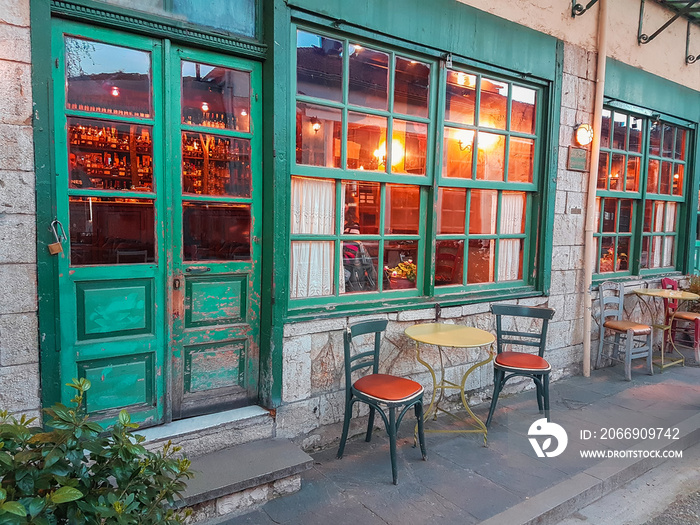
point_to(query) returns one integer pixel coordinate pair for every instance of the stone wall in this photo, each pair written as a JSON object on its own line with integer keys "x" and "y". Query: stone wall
{"x": 19, "y": 355}
{"x": 313, "y": 385}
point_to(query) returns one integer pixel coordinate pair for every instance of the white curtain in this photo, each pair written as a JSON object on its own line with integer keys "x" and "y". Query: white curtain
{"x": 512, "y": 212}
{"x": 656, "y": 240}
{"x": 313, "y": 212}
{"x": 669, "y": 226}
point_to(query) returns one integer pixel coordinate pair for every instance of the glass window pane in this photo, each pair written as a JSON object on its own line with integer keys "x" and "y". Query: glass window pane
{"x": 107, "y": 79}
{"x": 313, "y": 206}
{"x": 452, "y": 210}
{"x": 653, "y": 176}
{"x": 216, "y": 97}
{"x": 319, "y": 66}
{"x": 607, "y": 255}
{"x": 623, "y": 250}
{"x": 635, "y": 139}
{"x": 666, "y": 178}
{"x": 481, "y": 258}
{"x": 633, "y": 173}
{"x": 109, "y": 156}
{"x": 369, "y": 77}
{"x": 605, "y": 131}
{"x": 670, "y": 219}
{"x": 619, "y": 131}
{"x": 520, "y": 159}
{"x": 449, "y": 263}
{"x": 678, "y": 179}
{"x": 360, "y": 266}
{"x": 319, "y": 131}
{"x": 362, "y": 207}
{"x": 658, "y": 216}
{"x": 311, "y": 269}
{"x": 411, "y": 87}
{"x": 522, "y": 111}
{"x": 648, "y": 216}
{"x": 493, "y": 109}
{"x": 215, "y": 232}
{"x": 214, "y": 165}
{"x": 617, "y": 172}
{"x": 680, "y": 144}
{"x": 510, "y": 259}
{"x": 367, "y": 142}
{"x": 490, "y": 164}
{"x": 461, "y": 97}
{"x": 597, "y": 214}
{"x": 625, "y": 218}
{"x": 512, "y": 213}
{"x": 402, "y": 213}
{"x": 410, "y": 140}
{"x": 400, "y": 268}
{"x": 609, "y": 215}
{"x": 458, "y": 148}
{"x": 645, "y": 260}
{"x": 482, "y": 212}
{"x": 111, "y": 231}
{"x": 656, "y": 252}
{"x": 655, "y": 139}
{"x": 669, "y": 140}
{"x": 668, "y": 251}
{"x": 603, "y": 170}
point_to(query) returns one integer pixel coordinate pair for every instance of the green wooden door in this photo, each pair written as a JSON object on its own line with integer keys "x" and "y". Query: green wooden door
{"x": 159, "y": 275}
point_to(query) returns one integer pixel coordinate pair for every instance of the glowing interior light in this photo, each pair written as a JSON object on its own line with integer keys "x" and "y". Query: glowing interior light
{"x": 461, "y": 79}
{"x": 205, "y": 106}
{"x": 115, "y": 91}
{"x": 244, "y": 113}
{"x": 396, "y": 152}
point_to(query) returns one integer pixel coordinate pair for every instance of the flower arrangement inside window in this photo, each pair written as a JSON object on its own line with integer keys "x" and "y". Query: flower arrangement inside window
{"x": 607, "y": 264}
{"x": 403, "y": 275}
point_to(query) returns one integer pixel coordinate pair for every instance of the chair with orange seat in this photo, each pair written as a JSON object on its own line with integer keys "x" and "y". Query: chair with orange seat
{"x": 680, "y": 321}
{"x": 637, "y": 336}
{"x": 509, "y": 364}
{"x": 379, "y": 391}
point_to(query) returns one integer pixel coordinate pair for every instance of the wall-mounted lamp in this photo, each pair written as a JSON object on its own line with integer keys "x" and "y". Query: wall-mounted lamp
{"x": 583, "y": 133}
{"x": 655, "y": 119}
{"x": 465, "y": 139}
{"x": 315, "y": 124}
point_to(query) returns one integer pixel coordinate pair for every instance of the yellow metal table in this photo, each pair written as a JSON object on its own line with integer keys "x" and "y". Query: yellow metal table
{"x": 673, "y": 295}
{"x": 450, "y": 336}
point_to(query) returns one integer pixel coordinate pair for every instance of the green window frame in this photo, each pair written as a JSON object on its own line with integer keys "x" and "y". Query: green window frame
{"x": 641, "y": 194}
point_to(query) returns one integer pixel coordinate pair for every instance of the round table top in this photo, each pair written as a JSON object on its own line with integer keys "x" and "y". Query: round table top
{"x": 667, "y": 293}
{"x": 454, "y": 335}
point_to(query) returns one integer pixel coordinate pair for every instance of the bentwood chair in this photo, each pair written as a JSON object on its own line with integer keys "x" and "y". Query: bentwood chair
{"x": 380, "y": 391}
{"x": 637, "y": 336}
{"x": 509, "y": 363}
{"x": 679, "y": 320}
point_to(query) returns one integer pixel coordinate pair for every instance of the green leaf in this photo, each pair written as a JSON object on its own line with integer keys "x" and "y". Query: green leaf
{"x": 124, "y": 417}
{"x": 66, "y": 494}
{"x": 36, "y": 506}
{"x": 14, "y": 507}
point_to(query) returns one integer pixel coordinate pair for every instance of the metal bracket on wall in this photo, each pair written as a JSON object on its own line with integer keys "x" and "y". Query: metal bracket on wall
{"x": 683, "y": 8}
{"x": 689, "y": 59}
{"x": 578, "y": 9}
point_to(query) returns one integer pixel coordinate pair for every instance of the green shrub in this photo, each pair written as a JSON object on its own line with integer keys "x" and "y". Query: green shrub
{"x": 76, "y": 473}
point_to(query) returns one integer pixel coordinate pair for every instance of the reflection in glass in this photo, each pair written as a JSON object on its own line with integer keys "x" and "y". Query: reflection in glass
{"x": 493, "y": 109}
{"x": 520, "y": 159}
{"x": 402, "y": 209}
{"x": 213, "y": 165}
{"x": 655, "y": 139}
{"x": 215, "y": 232}
{"x": 107, "y": 79}
{"x": 215, "y": 97}
{"x": 605, "y": 129}
{"x": 623, "y": 250}
{"x": 617, "y": 172}
{"x": 491, "y": 158}
{"x": 311, "y": 269}
{"x": 109, "y": 156}
{"x": 603, "y": 171}
{"x": 482, "y": 212}
{"x": 619, "y": 131}
{"x": 665, "y": 182}
{"x": 609, "y": 215}
{"x": 648, "y": 216}
{"x": 458, "y": 149}
{"x": 400, "y": 265}
{"x": 669, "y": 140}
{"x": 635, "y": 144}
{"x": 412, "y": 137}
{"x": 607, "y": 255}
{"x": 625, "y": 219}
{"x": 362, "y": 207}
{"x": 319, "y": 66}
{"x": 480, "y": 261}
{"x": 633, "y": 164}
{"x": 318, "y": 132}
{"x": 452, "y": 210}
{"x": 653, "y": 176}
{"x": 522, "y": 111}
{"x": 369, "y": 78}
{"x": 449, "y": 264}
{"x": 680, "y": 144}
{"x": 360, "y": 262}
{"x": 678, "y": 179}
{"x": 461, "y": 97}
{"x": 111, "y": 231}
{"x": 411, "y": 87}
{"x": 367, "y": 143}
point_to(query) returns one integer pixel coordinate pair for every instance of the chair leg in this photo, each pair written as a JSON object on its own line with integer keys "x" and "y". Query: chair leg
{"x": 616, "y": 347}
{"x": 629, "y": 343}
{"x": 599, "y": 358}
{"x": 538, "y": 388}
{"x": 346, "y": 428}
{"x": 696, "y": 339}
{"x": 545, "y": 394}
{"x": 370, "y": 425}
{"x": 392, "y": 444}
{"x": 650, "y": 364}
{"x": 497, "y": 380}
{"x": 421, "y": 435}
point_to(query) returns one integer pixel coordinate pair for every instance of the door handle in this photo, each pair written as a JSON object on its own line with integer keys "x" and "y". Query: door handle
{"x": 198, "y": 269}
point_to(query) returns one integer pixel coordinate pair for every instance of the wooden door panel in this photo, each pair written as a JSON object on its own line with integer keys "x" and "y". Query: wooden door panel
{"x": 215, "y": 300}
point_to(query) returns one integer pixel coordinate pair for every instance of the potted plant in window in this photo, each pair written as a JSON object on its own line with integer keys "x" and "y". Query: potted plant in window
{"x": 401, "y": 276}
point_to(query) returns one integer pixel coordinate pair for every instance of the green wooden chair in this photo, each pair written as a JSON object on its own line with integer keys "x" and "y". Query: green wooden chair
{"x": 509, "y": 364}
{"x": 380, "y": 391}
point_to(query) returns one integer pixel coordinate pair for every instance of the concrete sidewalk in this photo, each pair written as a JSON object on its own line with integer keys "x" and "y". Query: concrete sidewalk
{"x": 464, "y": 482}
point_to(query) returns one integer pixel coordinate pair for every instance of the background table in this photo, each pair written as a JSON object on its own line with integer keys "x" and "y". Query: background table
{"x": 450, "y": 336}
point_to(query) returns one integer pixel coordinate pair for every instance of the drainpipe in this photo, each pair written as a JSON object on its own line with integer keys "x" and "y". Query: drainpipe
{"x": 589, "y": 249}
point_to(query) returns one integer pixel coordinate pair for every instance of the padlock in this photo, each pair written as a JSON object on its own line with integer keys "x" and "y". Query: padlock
{"x": 56, "y": 247}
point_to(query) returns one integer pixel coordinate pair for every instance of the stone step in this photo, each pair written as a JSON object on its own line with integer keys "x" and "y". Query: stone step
{"x": 203, "y": 435}
{"x": 234, "y": 480}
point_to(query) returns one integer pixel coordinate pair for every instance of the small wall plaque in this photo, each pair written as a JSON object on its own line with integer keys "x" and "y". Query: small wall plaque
{"x": 578, "y": 159}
